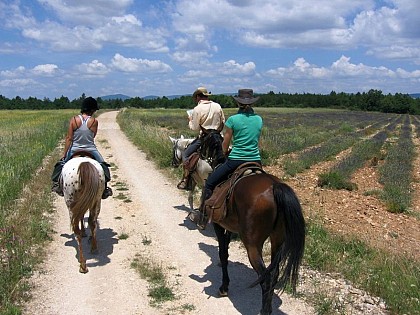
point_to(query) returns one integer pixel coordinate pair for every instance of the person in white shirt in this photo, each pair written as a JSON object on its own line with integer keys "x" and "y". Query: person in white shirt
{"x": 206, "y": 114}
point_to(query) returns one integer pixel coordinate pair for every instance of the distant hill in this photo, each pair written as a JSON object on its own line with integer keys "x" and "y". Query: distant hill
{"x": 115, "y": 97}
{"x": 150, "y": 97}
{"x": 415, "y": 95}
{"x": 153, "y": 97}
{"x": 125, "y": 97}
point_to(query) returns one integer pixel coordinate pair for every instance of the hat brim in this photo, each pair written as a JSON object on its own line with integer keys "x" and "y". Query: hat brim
{"x": 200, "y": 93}
{"x": 246, "y": 101}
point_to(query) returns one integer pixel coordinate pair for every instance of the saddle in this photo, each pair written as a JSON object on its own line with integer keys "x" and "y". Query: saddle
{"x": 216, "y": 206}
{"x": 191, "y": 163}
{"x": 82, "y": 153}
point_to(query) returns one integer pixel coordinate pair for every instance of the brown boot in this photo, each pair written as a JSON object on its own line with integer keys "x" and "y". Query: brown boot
{"x": 185, "y": 183}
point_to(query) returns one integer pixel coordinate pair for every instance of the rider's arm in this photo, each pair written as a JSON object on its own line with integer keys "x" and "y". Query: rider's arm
{"x": 227, "y": 137}
{"x": 69, "y": 137}
{"x": 194, "y": 122}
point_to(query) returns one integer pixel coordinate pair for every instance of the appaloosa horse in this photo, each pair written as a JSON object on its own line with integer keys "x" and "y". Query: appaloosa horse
{"x": 83, "y": 182}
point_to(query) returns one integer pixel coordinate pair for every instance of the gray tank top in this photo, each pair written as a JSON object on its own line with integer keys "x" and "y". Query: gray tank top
{"x": 83, "y": 137}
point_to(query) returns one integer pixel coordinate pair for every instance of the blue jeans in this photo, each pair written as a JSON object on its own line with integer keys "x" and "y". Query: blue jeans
{"x": 193, "y": 147}
{"x": 222, "y": 172}
{"x": 95, "y": 153}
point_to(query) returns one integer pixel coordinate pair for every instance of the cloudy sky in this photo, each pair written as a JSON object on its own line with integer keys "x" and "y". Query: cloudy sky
{"x": 51, "y": 48}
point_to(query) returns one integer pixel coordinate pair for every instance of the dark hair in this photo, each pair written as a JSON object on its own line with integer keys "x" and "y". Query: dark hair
{"x": 89, "y": 105}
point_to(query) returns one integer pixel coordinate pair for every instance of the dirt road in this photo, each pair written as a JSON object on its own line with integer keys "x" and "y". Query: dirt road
{"x": 156, "y": 213}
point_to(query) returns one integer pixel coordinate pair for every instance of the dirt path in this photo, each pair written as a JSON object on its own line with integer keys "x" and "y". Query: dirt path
{"x": 156, "y": 213}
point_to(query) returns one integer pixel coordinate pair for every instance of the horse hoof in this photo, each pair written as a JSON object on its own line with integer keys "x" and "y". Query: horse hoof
{"x": 223, "y": 293}
{"x": 83, "y": 270}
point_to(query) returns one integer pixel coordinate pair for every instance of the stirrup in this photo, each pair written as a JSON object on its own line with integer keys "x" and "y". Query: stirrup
{"x": 184, "y": 185}
{"x": 198, "y": 218}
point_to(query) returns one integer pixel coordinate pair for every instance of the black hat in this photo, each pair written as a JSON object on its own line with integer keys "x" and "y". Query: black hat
{"x": 246, "y": 97}
{"x": 89, "y": 104}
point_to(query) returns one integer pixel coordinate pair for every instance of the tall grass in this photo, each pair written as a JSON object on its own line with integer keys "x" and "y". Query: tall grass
{"x": 150, "y": 130}
{"x": 26, "y": 138}
{"x": 395, "y": 279}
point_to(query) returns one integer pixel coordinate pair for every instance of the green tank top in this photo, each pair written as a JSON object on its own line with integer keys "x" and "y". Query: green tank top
{"x": 246, "y": 129}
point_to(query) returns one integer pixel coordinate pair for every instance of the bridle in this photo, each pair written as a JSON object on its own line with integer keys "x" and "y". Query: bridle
{"x": 211, "y": 148}
{"x": 176, "y": 160}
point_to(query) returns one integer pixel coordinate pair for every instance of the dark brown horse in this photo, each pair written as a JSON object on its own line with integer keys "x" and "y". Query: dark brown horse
{"x": 262, "y": 207}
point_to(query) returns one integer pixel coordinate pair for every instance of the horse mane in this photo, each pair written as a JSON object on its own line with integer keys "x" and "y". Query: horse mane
{"x": 211, "y": 147}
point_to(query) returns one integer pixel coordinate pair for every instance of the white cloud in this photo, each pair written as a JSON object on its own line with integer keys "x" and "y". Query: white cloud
{"x": 47, "y": 69}
{"x": 17, "y": 83}
{"x": 92, "y": 12}
{"x": 231, "y": 67}
{"x": 124, "y": 64}
{"x": 13, "y": 73}
{"x": 94, "y": 68}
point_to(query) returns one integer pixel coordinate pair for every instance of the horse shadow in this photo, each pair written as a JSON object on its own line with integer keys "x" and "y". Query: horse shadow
{"x": 246, "y": 300}
{"x": 106, "y": 239}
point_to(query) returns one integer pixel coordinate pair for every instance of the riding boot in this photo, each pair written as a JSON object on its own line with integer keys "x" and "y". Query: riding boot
{"x": 186, "y": 182}
{"x": 107, "y": 191}
{"x": 55, "y": 177}
{"x": 199, "y": 216}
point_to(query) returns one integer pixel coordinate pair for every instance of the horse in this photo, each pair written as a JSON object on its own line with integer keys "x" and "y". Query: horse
{"x": 83, "y": 182}
{"x": 261, "y": 206}
{"x": 201, "y": 172}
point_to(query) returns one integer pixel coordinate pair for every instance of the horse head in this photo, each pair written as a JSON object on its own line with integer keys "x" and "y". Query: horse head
{"x": 178, "y": 146}
{"x": 211, "y": 146}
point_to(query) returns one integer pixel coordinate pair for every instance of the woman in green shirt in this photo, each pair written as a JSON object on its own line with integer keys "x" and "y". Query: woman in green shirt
{"x": 244, "y": 130}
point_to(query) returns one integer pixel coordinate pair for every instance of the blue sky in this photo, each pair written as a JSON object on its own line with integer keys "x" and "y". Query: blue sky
{"x": 51, "y": 48}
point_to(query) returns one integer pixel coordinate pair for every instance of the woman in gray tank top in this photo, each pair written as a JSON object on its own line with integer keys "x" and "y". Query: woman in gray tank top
{"x": 80, "y": 138}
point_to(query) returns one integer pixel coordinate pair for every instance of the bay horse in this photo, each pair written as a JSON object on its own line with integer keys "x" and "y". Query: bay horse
{"x": 83, "y": 182}
{"x": 200, "y": 174}
{"x": 261, "y": 206}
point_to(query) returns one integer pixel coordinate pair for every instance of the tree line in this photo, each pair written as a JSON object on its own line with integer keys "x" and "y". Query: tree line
{"x": 373, "y": 100}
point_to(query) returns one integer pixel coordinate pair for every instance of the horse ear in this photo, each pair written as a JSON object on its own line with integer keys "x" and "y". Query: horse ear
{"x": 182, "y": 137}
{"x": 172, "y": 139}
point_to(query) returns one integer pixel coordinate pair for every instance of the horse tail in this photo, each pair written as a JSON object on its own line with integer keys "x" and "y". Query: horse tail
{"x": 87, "y": 195}
{"x": 289, "y": 256}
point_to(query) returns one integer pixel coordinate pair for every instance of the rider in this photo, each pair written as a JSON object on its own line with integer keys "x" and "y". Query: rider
{"x": 244, "y": 129}
{"x": 206, "y": 114}
{"x": 80, "y": 137}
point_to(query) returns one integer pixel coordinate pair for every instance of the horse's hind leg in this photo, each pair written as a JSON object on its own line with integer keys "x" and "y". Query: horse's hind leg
{"x": 82, "y": 227}
{"x": 191, "y": 194}
{"x": 82, "y": 261}
{"x": 93, "y": 224}
{"x": 223, "y": 237}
